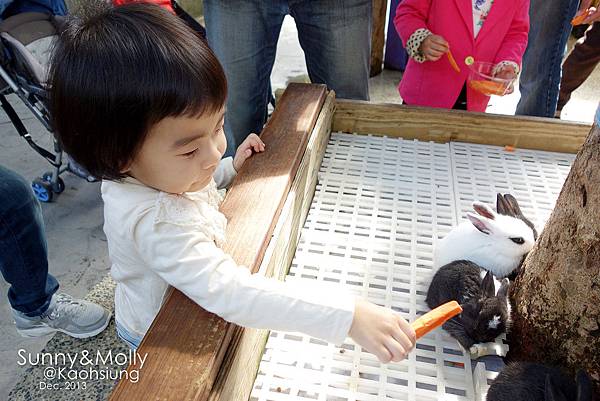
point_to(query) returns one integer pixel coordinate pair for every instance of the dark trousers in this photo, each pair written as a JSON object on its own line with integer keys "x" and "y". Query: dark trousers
{"x": 334, "y": 34}
{"x": 23, "y": 252}
{"x": 579, "y": 64}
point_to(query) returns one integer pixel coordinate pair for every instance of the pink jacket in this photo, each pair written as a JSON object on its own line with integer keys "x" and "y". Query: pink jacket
{"x": 503, "y": 36}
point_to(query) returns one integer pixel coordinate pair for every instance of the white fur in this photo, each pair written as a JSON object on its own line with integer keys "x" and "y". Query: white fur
{"x": 494, "y": 251}
{"x": 493, "y": 324}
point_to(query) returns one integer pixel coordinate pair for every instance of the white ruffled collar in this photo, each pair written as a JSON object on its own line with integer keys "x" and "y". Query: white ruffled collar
{"x": 198, "y": 210}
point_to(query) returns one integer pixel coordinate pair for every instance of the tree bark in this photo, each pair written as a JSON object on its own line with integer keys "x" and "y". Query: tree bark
{"x": 556, "y": 298}
{"x": 378, "y": 37}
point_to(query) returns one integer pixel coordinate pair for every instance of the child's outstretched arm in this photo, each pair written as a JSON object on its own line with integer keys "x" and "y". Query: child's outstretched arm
{"x": 382, "y": 332}
{"x": 177, "y": 248}
{"x": 184, "y": 256}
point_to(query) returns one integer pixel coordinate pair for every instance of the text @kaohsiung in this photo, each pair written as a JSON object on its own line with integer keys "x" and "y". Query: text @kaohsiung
{"x": 75, "y": 370}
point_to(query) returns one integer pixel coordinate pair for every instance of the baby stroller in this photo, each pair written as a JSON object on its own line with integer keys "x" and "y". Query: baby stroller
{"x": 25, "y": 45}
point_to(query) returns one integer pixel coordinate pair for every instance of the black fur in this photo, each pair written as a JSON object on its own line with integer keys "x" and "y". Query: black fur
{"x": 461, "y": 281}
{"x": 524, "y": 381}
{"x": 508, "y": 206}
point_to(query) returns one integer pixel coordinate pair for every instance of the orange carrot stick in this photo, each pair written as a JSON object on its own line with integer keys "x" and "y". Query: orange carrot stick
{"x": 435, "y": 318}
{"x": 578, "y": 20}
{"x": 452, "y": 61}
{"x": 488, "y": 88}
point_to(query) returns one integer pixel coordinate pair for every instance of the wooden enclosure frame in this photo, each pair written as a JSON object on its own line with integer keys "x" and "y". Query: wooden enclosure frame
{"x": 193, "y": 354}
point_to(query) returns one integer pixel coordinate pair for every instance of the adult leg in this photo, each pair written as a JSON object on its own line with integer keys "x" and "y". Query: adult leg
{"x": 579, "y": 64}
{"x": 243, "y": 34}
{"x": 336, "y": 38}
{"x": 24, "y": 258}
{"x": 36, "y": 308}
{"x": 540, "y": 79}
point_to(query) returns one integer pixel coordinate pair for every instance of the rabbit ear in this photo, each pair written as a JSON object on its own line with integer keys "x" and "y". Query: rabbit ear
{"x": 584, "y": 386}
{"x": 509, "y": 206}
{"x": 502, "y": 206}
{"x": 484, "y": 210}
{"x": 480, "y": 223}
{"x": 487, "y": 285}
{"x": 503, "y": 291}
{"x": 551, "y": 392}
{"x": 513, "y": 204}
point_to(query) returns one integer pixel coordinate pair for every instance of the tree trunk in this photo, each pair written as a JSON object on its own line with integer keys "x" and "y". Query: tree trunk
{"x": 556, "y": 300}
{"x": 378, "y": 36}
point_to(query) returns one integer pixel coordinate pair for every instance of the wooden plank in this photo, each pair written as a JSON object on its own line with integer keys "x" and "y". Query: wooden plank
{"x": 238, "y": 370}
{"x": 186, "y": 344}
{"x": 440, "y": 125}
{"x": 378, "y": 36}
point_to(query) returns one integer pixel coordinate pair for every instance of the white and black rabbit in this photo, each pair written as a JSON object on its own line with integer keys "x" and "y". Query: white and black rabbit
{"x": 486, "y": 313}
{"x": 494, "y": 242}
{"x": 524, "y": 381}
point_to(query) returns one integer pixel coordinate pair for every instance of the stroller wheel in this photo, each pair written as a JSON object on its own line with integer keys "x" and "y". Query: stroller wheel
{"x": 57, "y": 188}
{"x": 42, "y": 190}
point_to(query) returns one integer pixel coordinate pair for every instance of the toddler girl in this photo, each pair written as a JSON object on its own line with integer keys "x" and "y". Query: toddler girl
{"x": 493, "y": 31}
{"x": 138, "y": 99}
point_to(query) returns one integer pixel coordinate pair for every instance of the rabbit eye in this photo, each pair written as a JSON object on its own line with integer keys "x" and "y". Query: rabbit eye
{"x": 518, "y": 240}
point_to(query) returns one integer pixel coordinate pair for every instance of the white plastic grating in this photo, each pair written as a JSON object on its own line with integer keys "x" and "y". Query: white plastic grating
{"x": 482, "y": 379}
{"x": 535, "y": 178}
{"x": 378, "y": 209}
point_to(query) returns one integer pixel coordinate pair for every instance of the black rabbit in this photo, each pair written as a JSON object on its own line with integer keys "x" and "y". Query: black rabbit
{"x": 485, "y": 315}
{"x": 524, "y": 381}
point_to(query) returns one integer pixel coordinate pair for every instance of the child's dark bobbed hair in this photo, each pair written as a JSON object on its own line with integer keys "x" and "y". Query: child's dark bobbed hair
{"x": 117, "y": 71}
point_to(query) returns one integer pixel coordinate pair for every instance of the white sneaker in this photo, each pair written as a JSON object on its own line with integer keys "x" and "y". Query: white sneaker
{"x": 75, "y": 317}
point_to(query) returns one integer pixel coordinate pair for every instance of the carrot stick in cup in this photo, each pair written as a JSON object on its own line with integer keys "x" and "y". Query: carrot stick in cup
{"x": 435, "y": 318}
{"x": 452, "y": 61}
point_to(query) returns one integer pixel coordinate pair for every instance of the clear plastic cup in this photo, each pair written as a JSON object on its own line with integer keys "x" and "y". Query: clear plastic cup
{"x": 482, "y": 79}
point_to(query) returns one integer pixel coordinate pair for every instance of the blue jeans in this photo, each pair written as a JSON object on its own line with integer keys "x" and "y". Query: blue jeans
{"x": 128, "y": 338}
{"x": 334, "y": 34}
{"x": 540, "y": 79}
{"x": 23, "y": 251}
{"x": 14, "y": 7}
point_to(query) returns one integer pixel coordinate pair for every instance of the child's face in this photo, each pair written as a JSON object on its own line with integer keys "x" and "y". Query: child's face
{"x": 180, "y": 154}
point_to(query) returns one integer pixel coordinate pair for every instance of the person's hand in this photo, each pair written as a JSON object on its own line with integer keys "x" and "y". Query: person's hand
{"x": 381, "y": 331}
{"x": 433, "y": 47}
{"x": 250, "y": 145}
{"x": 507, "y": 71}
{"x": 593, "y": 13}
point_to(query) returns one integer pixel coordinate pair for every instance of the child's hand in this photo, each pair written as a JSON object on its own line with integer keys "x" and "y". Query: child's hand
{"x": 506, "y": 71}
{"x": 244, "y": 151}
{"x": 381, "y": 331}
{"x": 589, "y": 14}
{"x": 433, "y": 47}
